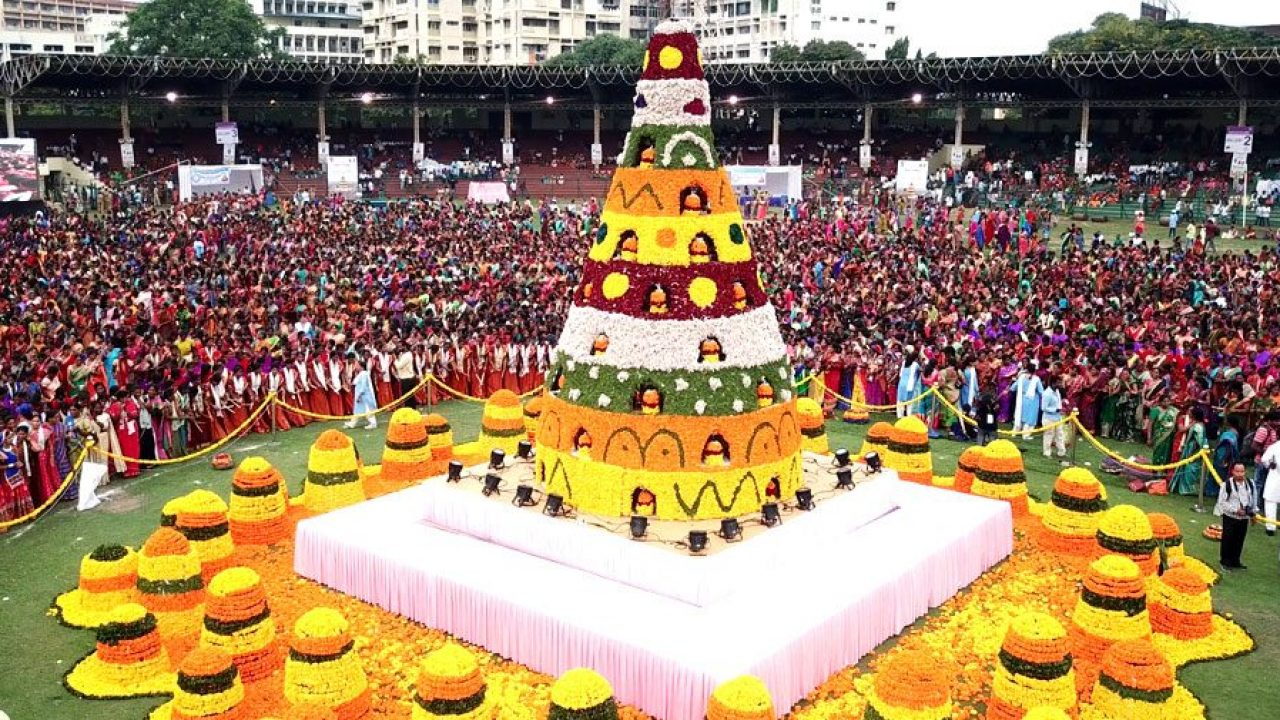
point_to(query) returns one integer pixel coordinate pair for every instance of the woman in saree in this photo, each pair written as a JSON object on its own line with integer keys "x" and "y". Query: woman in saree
{"x": 1164, "y": 422}
{"x": 1185, "y": 480}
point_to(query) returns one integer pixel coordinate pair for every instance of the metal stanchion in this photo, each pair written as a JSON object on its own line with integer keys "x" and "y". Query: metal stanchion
{"x": 1199, "y": 506}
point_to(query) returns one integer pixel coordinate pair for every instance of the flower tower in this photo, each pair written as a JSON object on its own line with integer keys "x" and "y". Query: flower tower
{"x": 259, "y": 504}
{"x": 743, "y": 698}
{"x": 967, "y": 467}
{"x": 1034, "y": 669}
{"x": 582, "y": 694}
{"x": 209, "y": 687}
{"x": 108, "y": 579}
{"x": 238, "y": 621}
{"x": 910, "y": 685}
{"x": 1071, "y": 518}
{"x": 532, "y": 412}
{"x": 202, "y": 520}
{"x": 501, "y": 428}
{"x": 171, "y": 587}
{"x": 1136, "y": 683}
{"x": 450, "y": 686}
{"x": 877, "y": 439}
{"x": 406, "y": 457}
{"x": 323, "y": 668}
{"x": 671, "y": 361}
{"x": 129, "y": 659}
{"x": 1112, "y": 608}
{"x": 1001, "y": 476}
{"x": 1125, "y": 530}
{"x": 812, "y": 426}
{"x": 1168, "y": 537}
{"x": 333, "y": 474}
{"x": 1180, "y": 605}
{"x": 909, "y": 451}
{"x": 169, "y": 511}
{"x": 440, "y": 440}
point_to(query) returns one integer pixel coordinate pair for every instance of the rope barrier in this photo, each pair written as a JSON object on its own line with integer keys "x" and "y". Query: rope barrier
{"x": 1203, "y": 455}
{"x": 878, "y": 408}
{"x": 463, "y": 396}
{"x": 321, "y": 416}
{"x": 66, "y": 482}
{"x": 202, "y": 451}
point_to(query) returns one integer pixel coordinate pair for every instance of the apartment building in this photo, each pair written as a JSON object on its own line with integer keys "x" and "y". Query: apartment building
{"x": 73, "y": 27}
{"x": 324, "y": 31}
{"x": 747, "y": 31}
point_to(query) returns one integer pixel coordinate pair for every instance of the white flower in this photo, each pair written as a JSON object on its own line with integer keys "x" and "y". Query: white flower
{"x": 574, "y": 394}
{"x": 737, "y": 406}
{"x": 623, "y": 376}
{"x": 594, "y": 372}
{"x": 570, "y": 365}
{"x": 604, "y": 401}
{"x": 681, "y": 384}
{"x": 715, "y": 383}
{"x": 786, "y": 395}
{"x": 746, "y": 380}
{"x": 689, "y": 159}
{"x": 700, "y": 406}
{"x": 782, "y": 373}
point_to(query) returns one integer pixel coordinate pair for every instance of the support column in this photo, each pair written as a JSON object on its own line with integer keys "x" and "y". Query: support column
{"x": 957, "y": 145}
{"x": 126, "y": 138}
{"x": 419, "y": 151}
{"x": 508, "y": 142}
{"x": 322, "y": 134}
{"x": 1082, "y": 145}
{"x": 775, "y": 149}
{"x": 1242, "y": 118}
{"x": 228, "y": 150}
{"x": 8, "y": 116}
{"x": 226, "y": 109}
{"x": 864, "y": 150}
{"x": 1242, "y": 114}
{"x": 597, "y": 150}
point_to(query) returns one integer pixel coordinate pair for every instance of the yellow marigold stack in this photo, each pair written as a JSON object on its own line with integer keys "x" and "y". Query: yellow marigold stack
{"x": 909, "y": 451}
{"x": 532, "y": 412}
{"x": 1001, "y": 476}
{"x": 877, "y": 439}
{"x": 259, "y": 504}
{"x": 450, "y": 686}
{"x": 966, "y": 467}
{"x": 1168, "y": 537}
{"x": 1112, "y": 608}
{"x": 169, "y": 511}
{"x": 440, "y": 439}
{"x": 911, "y": 685}
{"x": 1180, "y": 605}
{"x": 1125, "y": 530}
{"x": 1047, "y": 713}
{"x": 129, "y": 659}
{"x": 581, "y": 694}
{"x": 108, "y": 579}
{"x": 209, "y": 688}
{"x": 170, "y": 585}
{"x": 323, "y": 668}
{"x": 1034, "y": 670}
{"x": 406, "y": 456}
{"x": 743, "y": 698}
{"x": 202, "y": 520}
{"x": 812, "y": 427}
{"x": 333, "y": 474}
{"x": 1137, "y": 683}
{"x": 238, "y": 621}
{"x": 1071, "y": 518}
{"x": 501, "y": 427}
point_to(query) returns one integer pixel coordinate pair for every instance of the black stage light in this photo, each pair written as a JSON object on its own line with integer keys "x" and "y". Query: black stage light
{"x": 844, "y": 479}
{"x": 524, "y": 450}
{"x": 872, "y": 459}
{"x": 804, "y": 499}
{"x": 491, "y": 483}
{"x": 770, "y": 515}
{"x": 554, "y": 506}
{"x": 842, "y": 457}
{"x": 730, "y": 530}
{"x": 697, "y": 541}
{"x": 639, "y": 527}
{"x": 524, "y": 496}
{"x": 455, "y": 471}
{"x": 497, "y": 458}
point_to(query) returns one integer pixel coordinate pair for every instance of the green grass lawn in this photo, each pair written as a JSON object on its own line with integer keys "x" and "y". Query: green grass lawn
{"x": 41, "y": 560}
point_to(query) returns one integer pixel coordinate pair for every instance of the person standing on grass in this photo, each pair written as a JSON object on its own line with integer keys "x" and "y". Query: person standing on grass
{"x": 1235, "y": 505}
{"x": 1269, "y": 479}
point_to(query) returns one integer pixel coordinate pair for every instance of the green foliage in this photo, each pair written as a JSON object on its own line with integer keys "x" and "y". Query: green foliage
{"x": 899, "y": 50}
{"x": 222, "y": 29}
{"x": 1116, "y": 32}
{"x": 602, "y": 50}
{"x": 816, "y": 51}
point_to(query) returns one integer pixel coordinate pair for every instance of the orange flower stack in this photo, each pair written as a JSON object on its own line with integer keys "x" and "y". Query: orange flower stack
{"x": 1168, "y": 536}
{"x": 1180, "y": 605}
{"x": 259, "y": 504}
{"x": 1034, "y": 670}
{"x": 333, "y": 474}
{"x": 1136, "y": 683}
{"x": 909, "y": 451}
{"x": 1001, "y": 476}
{"x": 532, "y": 412}
{"x": 966, "y": 467}
{"x": 812, "y": 426}
{"x": 877, "y": 439}
{"x": 108, "y": 579}
{"x": 202, "y": 520}
{"x": 129, "y": 659}
{"x": 238, "y": 621}
{"x": 440, "y": 440}
{"x": 450, "y": 686}
{"x": 501, "y": 427}
{"x": 1112, "y": 608}
{"x": 1125, "y": 530}
{"x": 910, "y": 685}
{"x": 1071, "y": 518}
{"x": 406, "y": 456}
{"x": 171, "y": 586}
{"x": 169, "y": 511}
{"x": 323, "y": 668}
{"x": 209, "y": 688}
{"x": 743, "y": 698}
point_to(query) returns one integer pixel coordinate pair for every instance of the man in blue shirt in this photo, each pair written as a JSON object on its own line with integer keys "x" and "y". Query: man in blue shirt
{"x": 1050, "y": 414}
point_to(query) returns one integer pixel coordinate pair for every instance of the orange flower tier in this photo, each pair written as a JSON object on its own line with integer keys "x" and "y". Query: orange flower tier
{"x": 1180, "y": 605}
{"x": 966, "y": 467}
{"x": 1112, "y": 608}
{"x": 877, "y": 439}
{"x": 909, "y": 451}
{"x": 1070, "y": 522}
{"x": 1034, "y": 669}
{"x": 202, "y": 520}
{"x": 743, "y": 698}
{"x": 1001, "y": 476}
{"x": 910, "y": 685}
{"x": 259, "y": 504}
{"x": 238, "y": 621}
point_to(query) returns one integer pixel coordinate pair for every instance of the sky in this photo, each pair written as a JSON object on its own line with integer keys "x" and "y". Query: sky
{"x": 1014, "y": 27}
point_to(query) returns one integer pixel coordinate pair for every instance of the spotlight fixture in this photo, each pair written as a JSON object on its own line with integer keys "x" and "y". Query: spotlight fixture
{"x": 524, "y": 496}
{"x": 491, "y": 483}
{"x": 497, "y": 459}
{"x": 455, "y": 471}
{"x": 804, "y": 499}
{"x": 524, "y": 450}
{"x": 366, "y": 98}
{"x": 770, "y": 515}
{"x": 844, "y": 479}
{"x": 733, "y": 99}
{"x": 842, "y": 457}
{"x": 697, "y": 541}
{"x": 171, "y": 96}
{"x": 554, "y": 506}
{"x": 730, "y": 530}
{"x": 872, "y": 459}
{"x": 639, "y": 527}
{"x": 916, "y": 98}
{"x": 551, "y": 100}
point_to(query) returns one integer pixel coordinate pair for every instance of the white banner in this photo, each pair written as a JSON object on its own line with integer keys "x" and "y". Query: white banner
{"x": 508, "y": 152}
{"x": 126, "y": 154}
{"x": 226, "y": 133}
{"x": 322, "y": 152}
{"x": 344, "y": 176}
{"x": 957, "y": 157}
{"x": 747, "y": 176}
{"x": 1082, "y": 161}
{"x": 864, "y": 156}
{"x": 1239, "y": 140}
{"x": 913, "y": 175}
{"x": 214, "y": 175}
{"x": 419, "y": 152}
{"x": 1239, "y": 165}
{"x": 229, "y": 154}
{"x": 597, "y": 154}
{"x": 775, "y": 155}
{"x": 91, "y": 476}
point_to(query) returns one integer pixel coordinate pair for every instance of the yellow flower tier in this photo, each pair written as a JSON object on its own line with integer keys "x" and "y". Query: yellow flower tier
{"x": 1112, "y": 608}
{"x": 108, "y": 579}
{"x": 323, "y": 668}
{"x": 238, "y": 621}
{"x": 501, "y": 428}
{"x": 1169, "y": 544}
{"x": 129, "y": 659}
{"x": 909, "y": 451}
{"x": 333, "y": 474}
{"x": 450, "y": 686}
{"x": 877, "y": 439}
{"x": 743, "y": 698}
{"x": 582, "y": 694}
{"x": 1071, "y": 518}
{"x": 259, "y": 504}
{"x": 202, "y": 520}
{"x": 1034, "y": 669}
{"x": 1126, "y": 530}
{"x": 1001, "y": 476}
{"x": 813, "y": 428}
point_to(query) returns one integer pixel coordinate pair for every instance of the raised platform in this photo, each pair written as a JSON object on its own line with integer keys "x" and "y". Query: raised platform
{"x": 792, "y": 604}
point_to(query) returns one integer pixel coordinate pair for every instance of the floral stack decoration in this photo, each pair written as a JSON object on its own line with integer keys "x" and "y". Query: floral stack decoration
{"x": 877, "y": 439}
{"x": 1070, "y": 521}
{"x": 532, "y": 411}
{"x": 1180, "y": 605}
{"x": 450, "y": 686}
{"x": 128, "y": 660}
{"x": 1125, "y": 530}
{"x": 323, "y": 668}
{"x": 171, "y": 587}
{"x": 238, "y": 621}
{"x": 169, "y": 511}
{"x": 406, "y": 457}
{"x": 1034, "y": 669}
{"x": 812, "y": 426}
{"x": 1112, "y": 608}
{"x": 967, "y": 467}
{"x": 333, "y": 474}
{"x": 258, "y": 511}
{"x": 909, "y": 451}
{"x": 1137, "y": 683}
{"x": 202, "y": 520}
{"x": 910, "y": 685}
{"x": 209, "y": 688}
{"x": 1169, "y": 542}
{"x": 108, "y": 579}
{"x": 501, "y": 427}
{"x": 582, "y": 694}
{"x": 743, "y": 698}
{"x": 1001, "y": 476}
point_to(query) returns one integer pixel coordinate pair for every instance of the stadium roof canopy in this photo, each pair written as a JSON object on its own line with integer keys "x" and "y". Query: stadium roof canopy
{"x": 1159, "y": 79}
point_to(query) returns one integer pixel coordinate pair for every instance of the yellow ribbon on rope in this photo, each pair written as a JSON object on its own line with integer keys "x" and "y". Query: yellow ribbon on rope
{"x": 202, "y": 451}
{"x": 321, "y": 416}
{"x": 75, "y": 468}
{"x": 878, "y": 408}
{"x": 463, "y": 396}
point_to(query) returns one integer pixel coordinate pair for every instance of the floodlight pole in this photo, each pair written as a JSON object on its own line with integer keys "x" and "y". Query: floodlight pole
{"x": 1242, "y": 117}
{"x": 8, "y": 115}
{"x": 959, "y": 138}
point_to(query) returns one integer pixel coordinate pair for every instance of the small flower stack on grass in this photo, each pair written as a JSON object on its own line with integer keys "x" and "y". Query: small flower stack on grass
{"x": 1137, "y": 683}
{"x": 812, "y": 427}
{"x": 440, "y": 440}
{"x": 910, "y": 685}
{"x": 1034, "y": 670}
{"x": 333, "y": 474}
{"x": 1125, "y": 530}
{"x": 450, "y": 686}
{"x": 581, "y": 694}
{"x": 967, "y": 467}
{"x": 877, "y": 440}
{"x": 1001, "y": 476}
{"x": 532, "y": 412}
{"x": 169, "y": 511}
{"x": 238, "y": 621}
{"x": 108, "y": 579}
{"x": 1071, "y": 518}
{"x": 323, "y": 668}
{"x": 129, "y": 659}
{"x": 202, "y": 520}
{"x": 1180, "y": 605}
{"x": 501, "y": 427}
{"x": 259, "y": 504}
{"x": 743, "y": 698}
{"x": 909, "y": 451}
{"x": 171, "y": 587}
{"x": 1169, "y": 538}
{"x": 209, "y": 688}
{"x": 406, "y": 456}
{"x": 1112, "y": 609}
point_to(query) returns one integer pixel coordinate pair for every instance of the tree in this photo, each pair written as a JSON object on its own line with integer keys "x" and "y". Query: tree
{"x": 899, "y": 50}
{"x": 816, "y": 51}
{"x": 602, "y": 50}
{"x": 223, "y": 29}
{"x": 1116, "y": 32}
